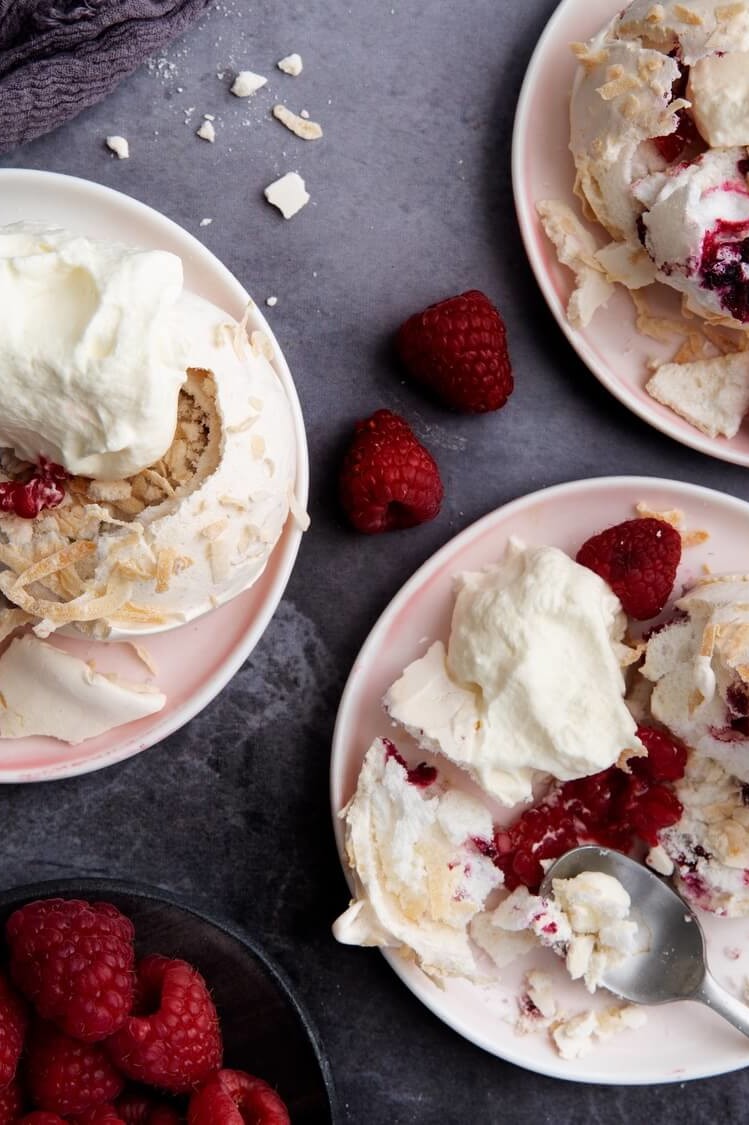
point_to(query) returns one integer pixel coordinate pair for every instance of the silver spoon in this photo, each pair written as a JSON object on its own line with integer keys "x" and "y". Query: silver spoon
{"x": 673, "y": 968}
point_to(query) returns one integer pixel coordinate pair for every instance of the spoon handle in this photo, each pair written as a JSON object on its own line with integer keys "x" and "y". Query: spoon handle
{"x": 722, "y": 1002}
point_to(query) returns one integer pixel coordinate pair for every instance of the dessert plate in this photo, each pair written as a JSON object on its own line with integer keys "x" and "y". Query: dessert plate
{"x": 679, "y": 1041}
{"x": 542, "y": 168}
{"x": 196, "y": 660}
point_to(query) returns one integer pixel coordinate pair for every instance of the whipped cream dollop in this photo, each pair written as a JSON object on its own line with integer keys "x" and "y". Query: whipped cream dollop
{"x": 699, "y": 666}
{"x": 91, "y": 362}
{"x": 531, "y": 684}
{"x": 415, "y": 848}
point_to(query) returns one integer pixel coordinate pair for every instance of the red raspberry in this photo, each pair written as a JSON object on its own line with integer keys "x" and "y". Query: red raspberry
{"x": 638, "y": 559}
{"x": 612, "y": 808}
{"x": 458, "y": 350}
{"x": 11, "y": 1103}
{"x": 232, "y": 1097}
{"x": 74, "y": 961}
{"x": 172, "y": 1040}
{"x": 13, "y": 1021}
{"x": 41, "y": 1117}
{"x": 388, "y": 479}
{"x": 136, "y": 1108}
{"x": 66, "y": 1076}
{"x": 99, "y": 1115}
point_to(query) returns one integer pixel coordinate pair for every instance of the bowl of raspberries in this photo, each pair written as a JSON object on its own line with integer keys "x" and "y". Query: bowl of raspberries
{"x": 121, "y": 1006}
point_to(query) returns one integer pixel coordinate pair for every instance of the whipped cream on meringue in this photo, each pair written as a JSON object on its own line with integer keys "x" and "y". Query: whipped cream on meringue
{"x": 91, "y": 360}
{"x": 531, "y": 683}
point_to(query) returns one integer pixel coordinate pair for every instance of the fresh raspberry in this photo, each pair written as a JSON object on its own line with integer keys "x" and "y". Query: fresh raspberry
{"x": 13, "y": 1021}
{"x": 74, "y": 961}
{"x": 41, "y": 1117}
{"x": 172, "y": 1040}
{"x": 612, "y": 808}
{"x": 11, "y": 1103}
{"x": 638, "y": 559}
{"x": 388, "y": 479}
{"x": 137, "y": 1108}
{"x": 66, "y": 1076}
{"x": 458, "y": 350}
{"x": 233, "y": 1097}
{"x": 99, "y": 1115}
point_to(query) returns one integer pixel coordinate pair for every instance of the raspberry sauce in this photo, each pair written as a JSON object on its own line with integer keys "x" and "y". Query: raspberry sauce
{"x": 44, "y": 490}
{"x": 611, "y": 808}
{"x": 421, "y": 775}
{"x": 724, "y": 266}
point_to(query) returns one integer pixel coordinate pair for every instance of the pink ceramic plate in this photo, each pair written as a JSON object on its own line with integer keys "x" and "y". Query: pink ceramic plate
{"x": 542, "y": 168}
{"x": 195, "y": 661}
{"x": 679, "y": 1041}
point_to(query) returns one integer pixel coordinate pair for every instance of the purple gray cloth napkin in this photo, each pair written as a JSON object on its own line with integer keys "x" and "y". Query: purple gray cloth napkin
{"x": 59, "y": 56}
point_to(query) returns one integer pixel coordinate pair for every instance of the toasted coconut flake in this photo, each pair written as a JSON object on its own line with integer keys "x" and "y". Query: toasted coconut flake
{"x": 672, "y": 516}
{"x": 257, "y": 446}
{"x": 245, "y": 424}
{"x": 86, "y": 608}
{"x": 164, "y": 569}
{"x": 218, "y": 557}
{"x": 59, "y": 560}
{"x": 233, "y": 502}
{"x": 261, "y": 345}
{"x": 694, "y": 538}
{"x": 144, "y": 656}
{"x": 215, "y": 530}
{"x": 300, "y": 515}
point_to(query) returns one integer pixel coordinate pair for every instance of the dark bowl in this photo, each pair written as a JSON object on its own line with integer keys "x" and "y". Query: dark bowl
{"x": 266, "y": 1029}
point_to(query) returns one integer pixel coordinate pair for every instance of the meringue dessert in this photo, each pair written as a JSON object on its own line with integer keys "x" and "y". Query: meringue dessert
{"x": 659, "y": 129}
{"x": 147, "y": 448}
{"x": 592, "y": 728}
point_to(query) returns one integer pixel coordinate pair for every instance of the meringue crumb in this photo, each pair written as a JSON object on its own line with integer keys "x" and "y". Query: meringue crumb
{"x": 307, "y": 130}
{"x": 288, "y": 194}
{"x": 206, "y": 132}
{"x": 206, "y": 222}
{"x": 119, "y": 146}
{"x": 209, "y": 116}
{"x": 675, "y": 518}
{"x": 247, "y": 83}
{"x": 305, "y": 114}
{"x": 694, "y": 538}
{"x": 271, "y": 301}
{"x": 291, "y": 64}
{"x": 659, "y": 860}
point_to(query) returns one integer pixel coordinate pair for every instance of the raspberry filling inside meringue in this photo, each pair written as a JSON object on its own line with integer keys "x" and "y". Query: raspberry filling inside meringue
{"x": 724, "y": 267}
{"x": 43, "y": 489}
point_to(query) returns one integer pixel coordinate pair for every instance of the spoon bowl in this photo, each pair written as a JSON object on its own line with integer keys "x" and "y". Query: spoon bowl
{"x": 672, "y": 966}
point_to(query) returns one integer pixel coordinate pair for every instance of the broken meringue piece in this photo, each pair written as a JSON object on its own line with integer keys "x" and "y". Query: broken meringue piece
{"x": 45, "y": 691}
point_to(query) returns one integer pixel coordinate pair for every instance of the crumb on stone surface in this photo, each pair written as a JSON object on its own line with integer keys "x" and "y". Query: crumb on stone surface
{"x": 288, "y": 194}
{"x": 206, "y": 132}
{"x": 247, "y": 83}
{"x": 291, "y": 64}
{"x": 119, "y": 146}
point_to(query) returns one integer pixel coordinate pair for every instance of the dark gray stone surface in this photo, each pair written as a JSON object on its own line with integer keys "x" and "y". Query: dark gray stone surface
{"x": 411, "y": 202}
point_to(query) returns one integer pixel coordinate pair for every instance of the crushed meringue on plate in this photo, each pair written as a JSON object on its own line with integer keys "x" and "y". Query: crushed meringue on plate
{"x": 659, "y": 129}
